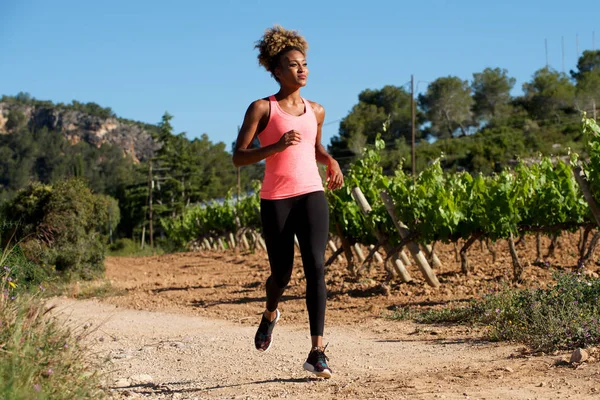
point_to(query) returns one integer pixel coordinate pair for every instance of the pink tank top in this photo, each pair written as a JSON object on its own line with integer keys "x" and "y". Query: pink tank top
{"x": 293, "y": 171}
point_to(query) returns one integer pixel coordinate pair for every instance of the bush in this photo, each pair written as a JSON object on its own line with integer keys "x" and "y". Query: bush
{"x": 126, "y": 247}
{"x": 563, "y": 316}
{"x": 61, "y": 226}
{"x": 40, "y": 359}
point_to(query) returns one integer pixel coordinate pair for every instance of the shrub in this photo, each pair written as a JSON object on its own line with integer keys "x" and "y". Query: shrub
{"x": 61, "y": 226}
{"x": 125, "y": 247}
{"x": 563, "y": 316}
{"x": 39, "y": 357}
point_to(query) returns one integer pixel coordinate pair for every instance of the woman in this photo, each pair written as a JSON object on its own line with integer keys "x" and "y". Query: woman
{"x": 293, "y": 201}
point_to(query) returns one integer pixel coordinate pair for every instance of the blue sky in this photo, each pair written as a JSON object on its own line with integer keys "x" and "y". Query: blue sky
{"x": 195, "y": 59}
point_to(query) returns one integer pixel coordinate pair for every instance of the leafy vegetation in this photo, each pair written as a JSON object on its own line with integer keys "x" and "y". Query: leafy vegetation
{"x": 563, "y": 315}
{"x": 478, "y": 125}
{"x": 40, "y": 358}
{"x": 62, "y": 227}
{"x": 445, "y": 206}
{"x": 213, "y": 219}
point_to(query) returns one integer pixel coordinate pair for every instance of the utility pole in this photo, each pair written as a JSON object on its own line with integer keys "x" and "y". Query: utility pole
{"x": 239, "y": 185}
{"x": 150, "y": 187}
{"x": 546, "y": 41}
{"x": 412, "y": 125}
{"x": 563, "y": 54}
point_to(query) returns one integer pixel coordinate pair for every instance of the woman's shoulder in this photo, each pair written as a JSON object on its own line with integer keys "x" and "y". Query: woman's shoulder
{"x": 259, "y": 107}
{"x": 317, "y": 108}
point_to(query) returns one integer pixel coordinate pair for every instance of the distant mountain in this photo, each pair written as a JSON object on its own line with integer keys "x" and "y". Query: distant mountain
{"x": 78, "y": 122}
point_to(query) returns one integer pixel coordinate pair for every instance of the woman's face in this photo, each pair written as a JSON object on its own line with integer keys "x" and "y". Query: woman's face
{"x": 292, "y": 69}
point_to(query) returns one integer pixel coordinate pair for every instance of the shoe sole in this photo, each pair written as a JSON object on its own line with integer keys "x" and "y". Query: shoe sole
{"x": 271, "y": 344}
{"x": 323, "y": 374}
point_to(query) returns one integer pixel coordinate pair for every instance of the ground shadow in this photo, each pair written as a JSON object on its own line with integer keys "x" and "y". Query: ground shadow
{"x": 466, "y": 340}
{"x": 241, "y": 300}
{"x": 357, "y": 293}
{"x": 186, "y": 288}
{"x": 253, "y": 285}
{"x": 428, "y": 303}
{"x": 167, "y": 388}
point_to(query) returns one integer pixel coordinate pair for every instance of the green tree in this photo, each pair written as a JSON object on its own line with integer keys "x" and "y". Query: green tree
{"x": 447, "y": 104}
{"x": 15, "y": 121}
{"x": 587, "y": 78}
{"x": 366, "y": 120}
{"x": 588, "y": 62}
{"x": 549, "y": 94}
{"x": 61, "y": 226}
{"x": 188, "y": 172}
{"x": 491, "y": 93}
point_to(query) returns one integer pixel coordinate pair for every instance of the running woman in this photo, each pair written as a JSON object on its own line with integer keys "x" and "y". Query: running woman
{"x": 293, "y": 200}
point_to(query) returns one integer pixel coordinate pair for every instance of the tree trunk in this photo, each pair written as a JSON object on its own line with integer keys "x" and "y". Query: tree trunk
{"x": 517, "y": 267}
{"x": 583, "y": 240}
{"x": 553, "y": 244}
{"x": 464, "y": 264}
{"x": 590, "y": 252}
{"x": 491, "y": 248}
{"x": 456, "y": 252}
{"x": 347, "y": 251}
{"x": 521, "y": 240}
{"x": 538, "y": 247}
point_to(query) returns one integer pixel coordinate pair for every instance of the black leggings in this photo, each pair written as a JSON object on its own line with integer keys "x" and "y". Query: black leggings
{"x": 307, "y": 216}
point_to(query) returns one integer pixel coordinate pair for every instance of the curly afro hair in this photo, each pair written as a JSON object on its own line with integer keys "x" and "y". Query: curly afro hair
{"x": 275, "y": 42}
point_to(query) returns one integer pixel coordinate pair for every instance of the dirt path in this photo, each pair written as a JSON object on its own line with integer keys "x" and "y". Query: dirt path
{"x": 191, "y": 357}
{"x": 184, "y": 329}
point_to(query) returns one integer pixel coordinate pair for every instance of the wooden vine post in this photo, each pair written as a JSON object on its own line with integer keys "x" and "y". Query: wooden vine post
{"x": 435, "y": 261}
{"x": 334, "y": 249}
{"x": 365, "y": 207}
{"x": 413, "y": 247}
{"x": 359, "y": 253}
{"x": 347, "y": 248}
{"x": 587, "y": 193}
{"x": 517, "y": 266}
{"x": 231, "y": 241}
{"x": 376, "y": 254}
{"x": 464, "y": 259}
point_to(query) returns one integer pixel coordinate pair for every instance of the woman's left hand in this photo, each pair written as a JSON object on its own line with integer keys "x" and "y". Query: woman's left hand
{"x": 335, "y": 178}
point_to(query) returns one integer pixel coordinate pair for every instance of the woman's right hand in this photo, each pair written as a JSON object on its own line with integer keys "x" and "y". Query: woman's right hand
{"x": 290, "y": 138}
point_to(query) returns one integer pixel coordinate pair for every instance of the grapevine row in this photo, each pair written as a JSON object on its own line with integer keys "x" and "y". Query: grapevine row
{"x": 435, "y": 206}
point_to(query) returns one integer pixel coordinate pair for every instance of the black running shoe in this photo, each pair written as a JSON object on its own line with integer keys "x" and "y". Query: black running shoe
{"x": 317, "y": 363}
{"x": 264, "y": 335}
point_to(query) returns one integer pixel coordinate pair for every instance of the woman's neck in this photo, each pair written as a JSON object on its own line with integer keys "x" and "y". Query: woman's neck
{"x": 291, "y": 95}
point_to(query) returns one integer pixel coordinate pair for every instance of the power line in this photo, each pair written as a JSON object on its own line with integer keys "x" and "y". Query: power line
{"x": 333, "y": 122}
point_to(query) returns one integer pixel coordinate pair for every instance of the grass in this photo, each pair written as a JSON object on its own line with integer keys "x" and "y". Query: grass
{"x": 99, "y": 288}
{"x": 129, "y": 248}
{"x": 562, "y": 316}
{"x": 40, "y": 358}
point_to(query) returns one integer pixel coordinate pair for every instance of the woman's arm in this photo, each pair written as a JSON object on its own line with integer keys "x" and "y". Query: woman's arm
{"x": 244, "y": 156}
{"x": 335, "y": 178}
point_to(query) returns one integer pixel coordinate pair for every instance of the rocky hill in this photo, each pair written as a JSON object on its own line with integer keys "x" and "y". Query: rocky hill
{"x": 133, "y": 137}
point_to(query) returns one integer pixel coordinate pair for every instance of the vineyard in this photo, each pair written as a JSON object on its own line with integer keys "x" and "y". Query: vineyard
{"x": 390, "y": 213}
